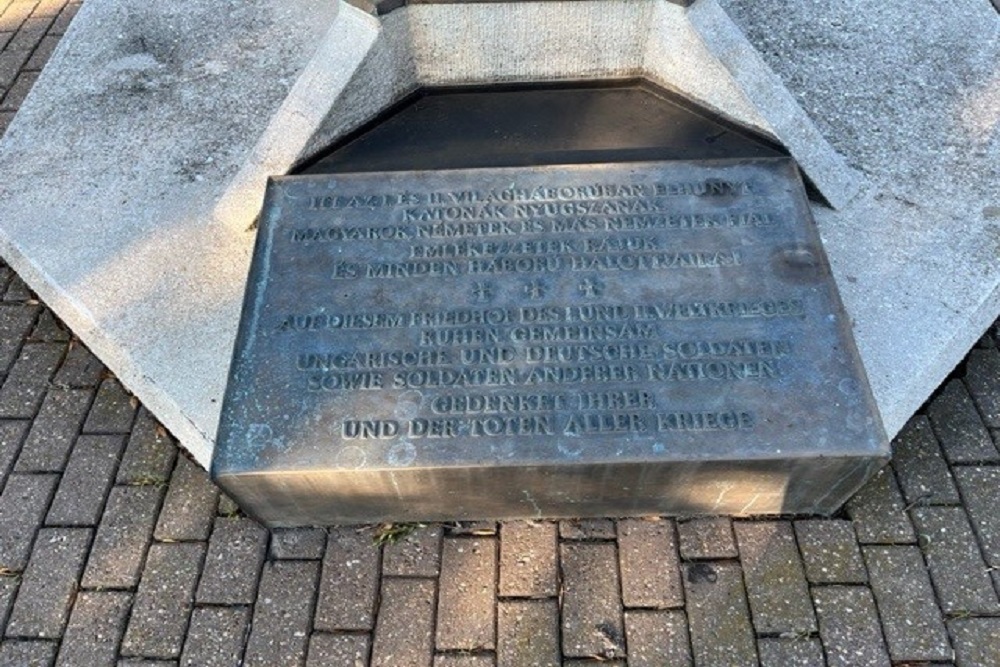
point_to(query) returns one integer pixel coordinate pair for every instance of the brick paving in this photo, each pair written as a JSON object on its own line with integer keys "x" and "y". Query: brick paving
{"x": 116, "y": 550}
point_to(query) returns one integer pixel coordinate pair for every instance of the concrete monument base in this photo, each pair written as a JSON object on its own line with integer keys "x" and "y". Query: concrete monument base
{"x": 135, "y": 169}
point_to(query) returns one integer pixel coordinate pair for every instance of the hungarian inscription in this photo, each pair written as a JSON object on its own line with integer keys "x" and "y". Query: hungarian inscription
{"x": 602, "y": 310}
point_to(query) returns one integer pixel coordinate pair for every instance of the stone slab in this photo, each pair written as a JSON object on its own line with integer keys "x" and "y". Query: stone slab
{"x": 924, "y": 131}
{"x": 675, "y": 321}
{"x": 919, "y": 129}
{"x": 223, "y": 75}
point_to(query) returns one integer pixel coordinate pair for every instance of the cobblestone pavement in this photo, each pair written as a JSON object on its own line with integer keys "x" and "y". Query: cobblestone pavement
{"x": 116, "y": 550}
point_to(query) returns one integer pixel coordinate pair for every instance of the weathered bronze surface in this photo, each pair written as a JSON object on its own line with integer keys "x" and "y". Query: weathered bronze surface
{"x": 563, "y": 341}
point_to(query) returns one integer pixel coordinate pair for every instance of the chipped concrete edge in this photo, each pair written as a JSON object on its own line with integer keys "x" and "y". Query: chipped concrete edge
{"x": 338, "y": 55}
{"x": 825, "y": 167}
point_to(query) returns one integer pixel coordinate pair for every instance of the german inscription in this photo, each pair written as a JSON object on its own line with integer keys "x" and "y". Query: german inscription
{"x": 629, "y": 311}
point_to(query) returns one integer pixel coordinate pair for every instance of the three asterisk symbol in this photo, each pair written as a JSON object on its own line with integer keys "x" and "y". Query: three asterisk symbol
{"x": 535, "y": 289}
{"x": 482, "y": 291}
{"x": 591, "y": 287}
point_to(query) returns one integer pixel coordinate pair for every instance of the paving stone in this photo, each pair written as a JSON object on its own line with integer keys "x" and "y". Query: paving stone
{"x": 830, "y": 552}
{"x": 12, "y": 432}
{"x": 216, "y": 636}
{"x": 11, "y": 63}
{"x": 718, "y": 616}
{"x": 466, "y": 613}
{"x": 80, "y": 368}
{"x": 189, "y": 507}
{"x": 5, "y": 119}
{"x": 981, "y": 489}
{"x": 281, "y": 619}
{"x": 54, "y": 430}
{"x": 879, "y": 513}
{"x": 593, "y": 663}
{"x": 910, "y": 617}
{"x": 960, "y": 576}
{"x": 463, "y": 660}
{"x": 49, "y": 583}
{"x": 592, "y": 609}
{"x": 123, "y": 536}
{"x": 19, "y": 90}
{"x": 849, "y": 626}
{"x": 8, "y": 590}
{"x": 587, "y": 529}
{"x": 16, "y": 320}
{"x": 141, "y": 662}
{"x": 528, "y": 559}
{"x": 5, "y": 37}
{"x": 527, "y": 633}
{"x": 25, "y": 385}
{"x": 657, "y": 638}
{"x": 95, "y": 629}
{"x": 976, "y": 641}
{"x": 923, "y": 473}
{"x": 17, "y": 12}
{"x": 297, "y": 543}
{"x": 982, "y": 377}
{"x": 30, "y": 33}
{"x": 164, "y": 600}
{"x": 774, "y": 577}
{"x": 48, "y": 329}
{"x": 65, "y": 17}
{"x": 405, "y": 630}
{"x": 27, "y": 653}
{"x": 23, "y": 504}
{"x": 795, "y": 652}
{"x": 48, "y": 8}
{"x": 113, "y": 410}
{"x": 232, "y": 567}
{"x": 707, "y": 538}
{"x": 17, "y": 290}
{"x": 150, "y": 454}
{"x": 347, "y": 650}
{"x": 349, "y": 584}
{"x": 649, "y": 564}
{"x": 85, "y": 484}
{"x": 957, "y": 425}
{"x": 415, "y": 555}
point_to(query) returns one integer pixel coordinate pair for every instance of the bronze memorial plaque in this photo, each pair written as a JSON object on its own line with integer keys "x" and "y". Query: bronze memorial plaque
{"x": 612, "y": 339}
